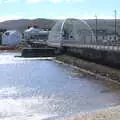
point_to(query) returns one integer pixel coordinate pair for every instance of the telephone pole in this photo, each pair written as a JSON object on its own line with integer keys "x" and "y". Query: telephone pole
{"x": 115, "y": 24}
{"x": 96, "y": 27}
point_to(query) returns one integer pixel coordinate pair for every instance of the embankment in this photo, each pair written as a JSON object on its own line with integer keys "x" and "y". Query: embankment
{"x": 91, "y": 68}
{"x": 102, "y": 72}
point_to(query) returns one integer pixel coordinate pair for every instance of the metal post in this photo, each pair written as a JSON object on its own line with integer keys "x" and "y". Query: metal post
{"x": 115, "y": 25}
{"x": 96, "y": 29}
{"x": 116, "y": 41}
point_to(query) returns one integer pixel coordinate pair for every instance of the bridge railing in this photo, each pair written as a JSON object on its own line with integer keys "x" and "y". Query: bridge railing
{"x": 111, "y": 45}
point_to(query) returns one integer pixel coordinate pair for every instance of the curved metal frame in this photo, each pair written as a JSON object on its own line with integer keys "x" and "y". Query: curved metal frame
{"x": 92, "y": 33}
{"x": 63, "y": 22}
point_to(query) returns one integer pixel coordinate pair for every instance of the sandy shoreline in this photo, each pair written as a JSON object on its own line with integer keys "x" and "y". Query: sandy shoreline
{"x": 98, "y": 71}
{"x": 107, "y": 114}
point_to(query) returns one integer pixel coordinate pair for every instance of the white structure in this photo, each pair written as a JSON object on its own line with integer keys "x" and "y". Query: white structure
{"x": 35, "y": 33}
{"x": 11, "y": 38}
{"x": 113, "y": 37}
{"x": 29, "y": 33}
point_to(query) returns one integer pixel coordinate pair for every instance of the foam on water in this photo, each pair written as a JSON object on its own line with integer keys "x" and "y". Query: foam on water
{"x": 8, "y": 91}
{"x": 45, "y": 90}
{"x": 22, "y": 108}
{"x": 7, "y": 58}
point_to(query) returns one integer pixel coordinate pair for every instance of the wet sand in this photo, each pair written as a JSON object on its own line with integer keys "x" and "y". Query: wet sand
{"x": 108, "y": 114}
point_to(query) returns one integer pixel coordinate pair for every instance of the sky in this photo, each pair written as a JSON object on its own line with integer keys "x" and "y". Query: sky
{"x": 58, "y": 9}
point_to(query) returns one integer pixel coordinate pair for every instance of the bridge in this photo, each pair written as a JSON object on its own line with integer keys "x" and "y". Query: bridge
{"x": 78, "y": 38}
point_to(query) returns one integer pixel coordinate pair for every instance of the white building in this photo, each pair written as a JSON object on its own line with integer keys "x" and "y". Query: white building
{"x": 113, "y": 36}
{"x": 35, "y": 33}
{"x": 11, "y": 38}
{"x": 107, "y": 37}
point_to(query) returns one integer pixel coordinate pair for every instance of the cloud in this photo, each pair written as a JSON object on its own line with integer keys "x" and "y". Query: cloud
{"x": 11, "y": 17}
{"x": 34, "y": 1}
{"x": 38, "y": 1}
{"x": 53, "y": 1}
{"x": 8, "y": 1}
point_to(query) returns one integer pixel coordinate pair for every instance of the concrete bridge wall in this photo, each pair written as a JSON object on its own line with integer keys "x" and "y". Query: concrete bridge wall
{"x": 111, "y": 58}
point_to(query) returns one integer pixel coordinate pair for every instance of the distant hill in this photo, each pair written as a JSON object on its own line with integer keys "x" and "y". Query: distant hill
{"x": 23, "y": 24}
{"x": 108, "y": 25}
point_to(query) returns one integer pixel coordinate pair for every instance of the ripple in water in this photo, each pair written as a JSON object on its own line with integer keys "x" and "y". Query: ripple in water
{"x": 35, "y": 89}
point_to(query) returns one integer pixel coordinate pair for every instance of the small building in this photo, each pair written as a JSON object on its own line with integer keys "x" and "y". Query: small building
{"x": 112, "y": 36}
{"x": 11, "y": 38}
{"x": 35, "y": 34}
{"x": 106, "y": 36}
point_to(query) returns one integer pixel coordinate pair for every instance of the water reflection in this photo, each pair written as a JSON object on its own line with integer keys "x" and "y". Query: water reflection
{"x": 41, "y": 89}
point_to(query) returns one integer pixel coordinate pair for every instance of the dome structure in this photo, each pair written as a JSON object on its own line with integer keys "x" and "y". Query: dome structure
{"x": 55, "y": 35}
{"x": 71, "y": 30}
{"x": 11, "y": 38}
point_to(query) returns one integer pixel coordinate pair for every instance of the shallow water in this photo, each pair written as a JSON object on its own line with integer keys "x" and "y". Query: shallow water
{"x": 37, "y": 89}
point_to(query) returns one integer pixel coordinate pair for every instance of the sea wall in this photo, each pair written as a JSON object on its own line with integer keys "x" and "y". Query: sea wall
{"x": 92, "y": 68}
{"x": 98, "y": 71}
{"x": 102, "y": 56}
{"x": 37, "y": 52}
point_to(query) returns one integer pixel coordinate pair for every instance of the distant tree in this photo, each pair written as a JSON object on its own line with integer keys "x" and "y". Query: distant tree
{"x": 3, "y": 30}
{"x": 29, "y": 27}
{"x": 35, "y": 26}
{"x": 49, "y": 29}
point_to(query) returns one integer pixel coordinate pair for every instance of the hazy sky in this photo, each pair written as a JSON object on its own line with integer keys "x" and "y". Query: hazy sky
{"x": 59, "y": 9}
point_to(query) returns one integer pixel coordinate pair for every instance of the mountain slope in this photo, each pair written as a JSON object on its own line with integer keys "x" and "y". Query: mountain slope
{"x": 23, "y": 24}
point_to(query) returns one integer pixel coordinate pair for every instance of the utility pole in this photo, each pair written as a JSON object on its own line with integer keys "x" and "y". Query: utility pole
{"x": 96, "y": 27}
{"x": 115, "y": 24}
